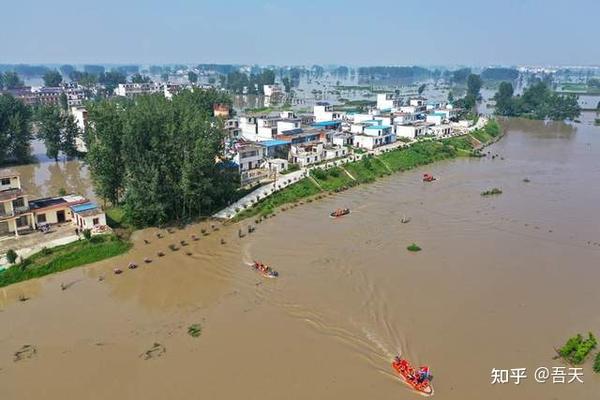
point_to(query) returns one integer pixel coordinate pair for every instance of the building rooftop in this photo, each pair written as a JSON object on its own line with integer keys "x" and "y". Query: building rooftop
{"x": 83, "y": 207}
{"x": 327, "y": 123}
{"x": 50, "y": 202}
{"x": 273, "y": 142}
{"x": 8, "y": 173}
{"x": 377, "y": 127}
{"x": 10, "y": 194}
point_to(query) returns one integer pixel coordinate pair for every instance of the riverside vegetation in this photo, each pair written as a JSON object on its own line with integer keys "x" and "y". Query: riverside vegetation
{"x": 577, "y": 349}
{"x": 371, "y": 167}
{"x": 61, "y": 258}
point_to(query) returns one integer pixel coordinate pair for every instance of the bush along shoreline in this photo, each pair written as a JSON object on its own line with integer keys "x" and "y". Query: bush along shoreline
{"x": 323, "y": 182}
{"x": 61, "y": 258}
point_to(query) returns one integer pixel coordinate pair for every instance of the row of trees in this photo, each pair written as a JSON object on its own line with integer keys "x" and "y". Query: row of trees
{"x": 10, "y": 80}
{"x": 237, "y": 81}
{"x": 157, "y": 158}
{"x": 55, "y": 127}
{"x": 538, "y": 101}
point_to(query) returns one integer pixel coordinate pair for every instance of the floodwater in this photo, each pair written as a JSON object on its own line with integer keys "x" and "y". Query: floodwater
{"x": 46, "y": 177}
{"x": 499, "y": 283}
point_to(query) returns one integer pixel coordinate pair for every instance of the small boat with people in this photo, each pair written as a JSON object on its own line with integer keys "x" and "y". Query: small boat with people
{"x": 264, "y": 270}
{"x": 117, "y": 271}
{"x": 340, "y": 212}
{"x": 418, "y": 379}
{"x": 428, "y": 178}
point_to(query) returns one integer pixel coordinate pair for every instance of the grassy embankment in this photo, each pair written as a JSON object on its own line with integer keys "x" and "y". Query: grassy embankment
{"x": 64, "y": 257}
{"x": 370, "y": 168}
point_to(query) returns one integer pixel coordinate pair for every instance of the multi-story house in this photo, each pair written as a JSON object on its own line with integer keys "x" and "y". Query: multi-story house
{"x": 15, "y": 215}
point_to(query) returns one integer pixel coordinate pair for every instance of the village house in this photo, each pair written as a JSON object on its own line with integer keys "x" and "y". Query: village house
{"x": 375, "y": 136}
{"x": 411, "y": 131}
{"x": 88, "y": 216}
{"x": 135, "y": 89}
{"x": 324, "y": 112}
{"x": 441, "y": 130}
{"x": 272, "y": 90}
{"x": 15, "y": 215}
{"x": 305, "y": 154}
{"x": 54, "y": 210}
{"x": 387, "y": 101}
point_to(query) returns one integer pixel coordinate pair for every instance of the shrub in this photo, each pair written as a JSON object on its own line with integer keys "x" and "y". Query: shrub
{"x": 413, "y": 247}
{"x": 584, "y": 349}
{"x": 46, "y": 251}
{"x": 11, "y": 256}
{"x": 195, "y": 330}
{"x": 597, "y": 363}
{"x": 570, "y": 346}
{"x": 491, "y": 192}
{"x": 87, "y": 234}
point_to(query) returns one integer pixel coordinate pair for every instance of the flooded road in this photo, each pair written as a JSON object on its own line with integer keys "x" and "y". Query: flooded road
{"x": 500, "y": 281}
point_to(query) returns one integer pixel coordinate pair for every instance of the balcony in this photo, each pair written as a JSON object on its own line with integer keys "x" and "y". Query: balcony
{"x": 21, "y": 210}
{"x": 6, "y": 214}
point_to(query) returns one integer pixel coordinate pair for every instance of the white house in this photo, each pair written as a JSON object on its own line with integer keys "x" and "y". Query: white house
{"x": 306, "y": 153}
{"x": 288, "y": 124}
{"x": 343, "y": 139}
{"x": 375, "y": 136}
{"x": 271, "y": 90}
{"x": 387, "y": 101}
{"x": 411, "y": 131}
{"x": 134, "y": 89}
{"x": 249, "y": 156}
{"x": 324, "y": 112}
{"x": 440, "y": 130}
{"x": 88, "y": 216}
{"x": 331, "y": 152}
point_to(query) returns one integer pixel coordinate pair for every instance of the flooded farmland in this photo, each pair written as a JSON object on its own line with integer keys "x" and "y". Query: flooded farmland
{"x": 499, "y": 283}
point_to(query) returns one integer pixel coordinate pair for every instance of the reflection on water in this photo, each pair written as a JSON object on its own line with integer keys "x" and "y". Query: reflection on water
{"x": 46, "y": 177}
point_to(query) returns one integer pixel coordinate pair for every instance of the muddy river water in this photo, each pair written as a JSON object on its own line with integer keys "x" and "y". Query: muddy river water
{"x": 500, "y": 281}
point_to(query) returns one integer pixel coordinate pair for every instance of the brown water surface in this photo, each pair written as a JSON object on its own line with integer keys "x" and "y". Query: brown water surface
{"x": 500, "y": 281}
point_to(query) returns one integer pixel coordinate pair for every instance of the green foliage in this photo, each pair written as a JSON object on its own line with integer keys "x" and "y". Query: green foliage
{"x": 58, "y": 131}
{"x": 192, "y": 77}
{"x": 596, "y": 366}
{"x": 491, "y": 192}
{"x": 62, "y": 258}
{"x": 537, "y": 102}
{"x": 11, "y": 80}
{"x": 413, "y": 247}
{"x": 157, "y": 156}
{"x": 334, "y": 179}
{"x": 421, "y": 88}
{"x": 87, "y": 234}
{"x": 291, "y": 168}
{"x": 15, "y": 130}
{"x": 499, "y": 74}
{"x": 583, "y": 349}
{"x": 62, "y": 191}
{"x": 237, "y": 81}
{"x": 195, "y": 330}
{"x": 52, "y": 78}
{"x": 138, "y": 78}
{"x": 291, "y": 194}
{"x": 11, "y": 256}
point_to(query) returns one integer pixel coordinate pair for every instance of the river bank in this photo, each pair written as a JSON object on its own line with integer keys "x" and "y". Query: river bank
{"x": 492, "y": 276}
{"x": 322, "y": 182}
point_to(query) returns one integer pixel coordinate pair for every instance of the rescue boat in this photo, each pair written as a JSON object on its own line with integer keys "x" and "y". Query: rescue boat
{"x": 340, "y": 212}
{"x": 419, "y": 380}
{"x": 264, "y": 270}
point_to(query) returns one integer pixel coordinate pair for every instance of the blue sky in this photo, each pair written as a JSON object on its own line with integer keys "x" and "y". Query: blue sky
{"x": 301, "y": 32}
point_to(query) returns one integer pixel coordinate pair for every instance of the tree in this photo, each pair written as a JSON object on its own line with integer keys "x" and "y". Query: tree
{"x": 87, "y": 234}
{"x": 66, "y": 69}
{"x": 138, "y": 78}
{"x": 52, "y": 78}
{"x": 460, "y": 75}
{"x": 421, "y": 89}
{"x": 11, "y": 256}
{"x": 450, "y": 97}
{"x": 165, "y": 77}
{"x": 474, "y": 84}
{"x": 192, "y": 77}
{"x": 64, "y": 101}
{"x": 111, "y": 80}
{"x": 504, "y": 99}
{"x": 103, "y": 140}
{"x": 157, "y": 156}
{"x": 15, "y": 130}
{"x": 287, "y": 84}
{"x": 50, "y": 125}
{"x": 12, "y": 80}
{"x": 70, "y": 132}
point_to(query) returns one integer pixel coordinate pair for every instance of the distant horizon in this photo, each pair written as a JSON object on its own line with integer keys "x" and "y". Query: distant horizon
{"x": 260, "y": 32}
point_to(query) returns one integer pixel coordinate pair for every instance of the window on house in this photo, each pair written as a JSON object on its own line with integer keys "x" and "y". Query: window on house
{"x": 5, "y": 181}
{"x": 19, "y": 202}
{"x": 41, "y": 218}
{"x": 22, "y": 221}
{"x": 95, "y": 221}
